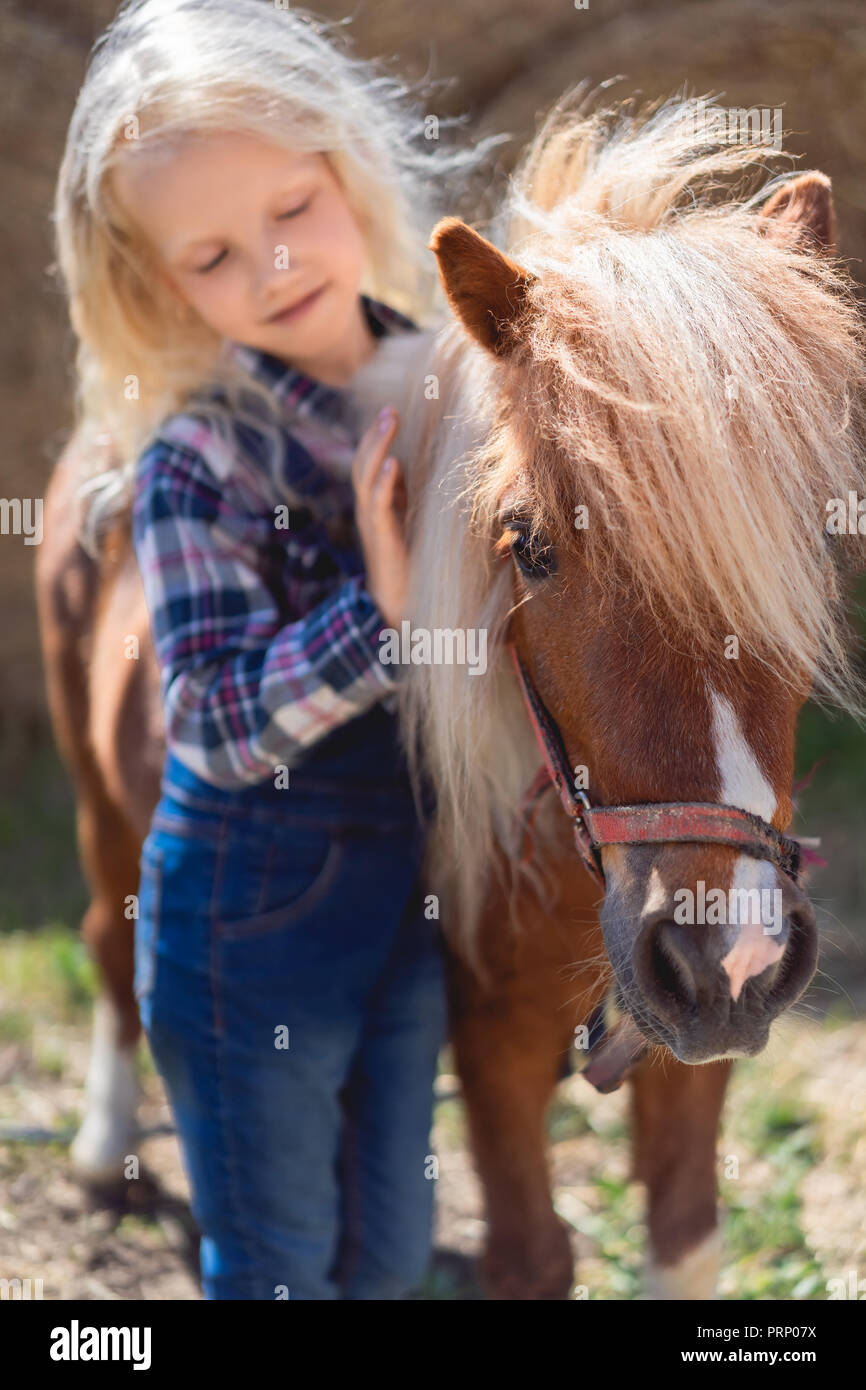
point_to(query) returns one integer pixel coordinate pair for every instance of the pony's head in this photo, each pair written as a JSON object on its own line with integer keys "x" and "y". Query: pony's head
{"x": 671, "y": 383}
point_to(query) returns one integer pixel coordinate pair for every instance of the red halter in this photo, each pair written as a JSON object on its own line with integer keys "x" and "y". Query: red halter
{"x": 616, "y": 1045}
{"x": 655, "y": 823}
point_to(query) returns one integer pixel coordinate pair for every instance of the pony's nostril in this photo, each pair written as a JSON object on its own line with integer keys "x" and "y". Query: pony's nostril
{"x": 755, "y": 955}
{"x": 669, "y": 961}
{"x": 800, "y": 960}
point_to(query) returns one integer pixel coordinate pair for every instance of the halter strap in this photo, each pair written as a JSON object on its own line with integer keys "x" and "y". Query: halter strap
{"x": 676, "y": 822}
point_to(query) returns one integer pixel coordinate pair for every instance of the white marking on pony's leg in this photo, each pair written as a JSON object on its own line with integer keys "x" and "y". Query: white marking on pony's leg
{"x": 693, "y": 1276}
{"x": 108, "y": 1131}
{"x": 743, "y": 784}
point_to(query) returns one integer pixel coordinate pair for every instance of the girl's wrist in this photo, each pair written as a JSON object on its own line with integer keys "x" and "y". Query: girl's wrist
{"x": 388, "y": 618}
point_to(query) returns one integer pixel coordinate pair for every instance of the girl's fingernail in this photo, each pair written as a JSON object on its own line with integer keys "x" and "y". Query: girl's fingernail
{"x": 385, "y": 417}
{"x": 388, "y": 465}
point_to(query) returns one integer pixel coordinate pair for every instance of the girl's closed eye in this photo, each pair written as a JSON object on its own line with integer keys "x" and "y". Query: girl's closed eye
{"x": 212, "y": 264}
{"x": 281, "y": 217}
{"x": 293, "y": 212}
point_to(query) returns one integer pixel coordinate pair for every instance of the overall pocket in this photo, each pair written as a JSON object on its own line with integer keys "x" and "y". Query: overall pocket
{"x": 270, "y": 878}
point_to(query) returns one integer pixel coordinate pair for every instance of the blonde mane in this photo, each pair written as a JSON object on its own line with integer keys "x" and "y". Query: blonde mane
{"x": 695, "y": 383}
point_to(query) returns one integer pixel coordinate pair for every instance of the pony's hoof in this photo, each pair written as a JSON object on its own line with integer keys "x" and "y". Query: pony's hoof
{"x": 99, "y": 1154}
{"x": 693, "y": 1276}
{"x": 544, "y": 1276}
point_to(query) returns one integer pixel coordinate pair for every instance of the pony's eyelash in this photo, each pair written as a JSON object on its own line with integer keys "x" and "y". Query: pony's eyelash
{"x": 502, "y": 547}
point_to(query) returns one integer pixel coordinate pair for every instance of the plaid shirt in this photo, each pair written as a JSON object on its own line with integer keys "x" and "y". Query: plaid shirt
{"x": 267, "y": 639}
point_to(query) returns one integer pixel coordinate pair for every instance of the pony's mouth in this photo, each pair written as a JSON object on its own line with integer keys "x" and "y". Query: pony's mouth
{"x": 698, "y": 1042}
{"x": 619, "y": 1046}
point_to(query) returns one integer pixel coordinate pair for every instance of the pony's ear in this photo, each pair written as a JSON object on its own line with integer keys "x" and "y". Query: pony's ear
{"x": 486, "y": 289}
{"x": 802, "y": 209}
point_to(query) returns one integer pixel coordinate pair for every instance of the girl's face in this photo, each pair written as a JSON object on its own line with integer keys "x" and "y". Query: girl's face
{"x": 258, "y": 240}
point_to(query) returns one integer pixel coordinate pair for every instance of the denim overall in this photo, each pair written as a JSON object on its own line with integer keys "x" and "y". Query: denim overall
{"x": 291, "y": 988}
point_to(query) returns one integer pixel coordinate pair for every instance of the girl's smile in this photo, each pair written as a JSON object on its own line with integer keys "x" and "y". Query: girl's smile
{"x": 298, "y": 307}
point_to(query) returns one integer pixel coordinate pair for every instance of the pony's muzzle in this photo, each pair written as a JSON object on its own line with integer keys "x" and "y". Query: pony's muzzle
{"x": 710, "y": 990}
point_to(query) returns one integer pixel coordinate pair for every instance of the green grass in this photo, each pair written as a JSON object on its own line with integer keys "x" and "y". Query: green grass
{"x": 39, "y": 867}
{"x": 766, "y": 1252}
{"x": 615, "y": 1267}
{"x": 15, "y": 1027}
{"x": 449, "y": 1283}
{"x": 49, "y": 968}
{"x": 451, "y": 1121}
{"x": 565, "y": 1120}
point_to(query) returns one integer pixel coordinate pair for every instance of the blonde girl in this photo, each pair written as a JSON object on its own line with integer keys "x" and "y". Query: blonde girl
{"x": 241, "y": 214}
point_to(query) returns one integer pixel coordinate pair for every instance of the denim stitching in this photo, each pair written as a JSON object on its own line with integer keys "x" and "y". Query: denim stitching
{"x": 291, "y": 913}
{"x": 150, "y": 973}
{"x": 232, "y": 1177}
{"x": 216, "y": 888}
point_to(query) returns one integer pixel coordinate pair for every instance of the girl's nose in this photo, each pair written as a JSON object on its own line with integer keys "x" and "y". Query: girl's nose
{"x": 273, "y": 270}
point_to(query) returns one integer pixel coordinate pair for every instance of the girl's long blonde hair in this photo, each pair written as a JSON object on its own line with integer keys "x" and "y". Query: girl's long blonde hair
{"x": 169, "y": 67}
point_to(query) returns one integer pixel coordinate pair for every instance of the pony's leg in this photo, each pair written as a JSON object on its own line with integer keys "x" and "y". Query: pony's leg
{"x": 108, "y": 1131}
{"x": 71, "y": 590}
{"x": 511, "y": 1031}
{"x": 676, "y": 1110}
{"x": 506, "y": 1056}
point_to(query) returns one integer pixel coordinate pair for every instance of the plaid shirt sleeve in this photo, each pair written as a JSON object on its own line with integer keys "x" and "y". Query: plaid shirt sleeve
{"x": 243, "y": 690}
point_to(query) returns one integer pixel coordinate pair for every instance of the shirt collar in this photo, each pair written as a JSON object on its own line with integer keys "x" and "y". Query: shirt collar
{"x": 301, "y": 394}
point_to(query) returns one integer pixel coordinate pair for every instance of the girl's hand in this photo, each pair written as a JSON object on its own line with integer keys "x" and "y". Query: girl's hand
{"x": 380, "y": 506}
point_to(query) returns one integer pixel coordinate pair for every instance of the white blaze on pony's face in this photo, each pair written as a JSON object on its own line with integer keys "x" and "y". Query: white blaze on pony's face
{"x": 743, "y": 784}
{"x": 623, "y": 621}
{"x": 741, "y": 780}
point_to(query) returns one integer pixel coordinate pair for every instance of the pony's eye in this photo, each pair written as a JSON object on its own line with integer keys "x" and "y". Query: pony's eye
{"x": 535, "y": 560}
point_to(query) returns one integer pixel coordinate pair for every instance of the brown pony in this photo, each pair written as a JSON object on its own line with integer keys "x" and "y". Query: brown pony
{"x": 619, "y": 457}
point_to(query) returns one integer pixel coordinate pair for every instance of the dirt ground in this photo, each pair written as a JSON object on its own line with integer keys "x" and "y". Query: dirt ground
{"x": 141, "y": 1243}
